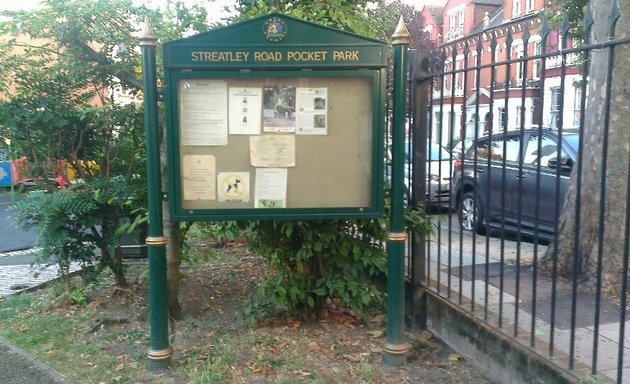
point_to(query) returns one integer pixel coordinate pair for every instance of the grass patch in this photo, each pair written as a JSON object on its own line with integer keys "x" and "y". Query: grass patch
{"x": 106, "y": 339}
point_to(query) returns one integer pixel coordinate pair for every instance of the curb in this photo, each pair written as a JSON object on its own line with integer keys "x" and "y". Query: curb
{"x": 55, "y": 376}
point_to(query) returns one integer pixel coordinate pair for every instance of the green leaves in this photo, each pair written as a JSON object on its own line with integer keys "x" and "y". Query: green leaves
{"x": 353, "y": 16}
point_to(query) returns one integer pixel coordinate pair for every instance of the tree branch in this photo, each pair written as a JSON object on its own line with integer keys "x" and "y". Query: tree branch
{"x": 92, "y": 55}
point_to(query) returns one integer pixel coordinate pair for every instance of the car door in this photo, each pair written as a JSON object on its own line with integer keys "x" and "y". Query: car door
{"x": 508, "y": 170}
{"x": 540, "y": 200}
{"x": 493, "y": 154}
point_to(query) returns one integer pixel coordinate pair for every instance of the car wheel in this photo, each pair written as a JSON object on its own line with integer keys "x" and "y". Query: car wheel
{"x": 470, "y": 213}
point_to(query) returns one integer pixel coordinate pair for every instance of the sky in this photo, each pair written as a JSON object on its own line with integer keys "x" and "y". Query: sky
{"x": 218, "y": 4}
{"x": 215, "y": 9}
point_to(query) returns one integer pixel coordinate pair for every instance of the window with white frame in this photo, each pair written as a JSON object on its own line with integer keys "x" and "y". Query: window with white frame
{"x": 452, "y": 21}
{"x": 477, "y": 70}
{"x": 517, "y": 8}
{"x": 520, "y": 113}
{"x": 519, "y": 66}
{"x": 556, "y": 101}
{"x": 458, "y": 76}
{"x": 501, "y": 115}
{"x": 530, "y": 5}
{"x": 460, "y": 18}
{"x": 577, "y": 105}
{"x": 537, "y": 62}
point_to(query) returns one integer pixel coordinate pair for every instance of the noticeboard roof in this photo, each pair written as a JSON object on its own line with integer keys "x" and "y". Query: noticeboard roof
{"x": 275, "y": 40}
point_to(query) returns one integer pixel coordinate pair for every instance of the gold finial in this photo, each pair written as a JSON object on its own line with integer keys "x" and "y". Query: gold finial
{"x": 147, "y": 37}
{"x": 401, "y": 35}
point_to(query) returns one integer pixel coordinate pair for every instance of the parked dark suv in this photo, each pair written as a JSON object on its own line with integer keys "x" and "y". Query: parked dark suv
{"x": 509, "y": 181}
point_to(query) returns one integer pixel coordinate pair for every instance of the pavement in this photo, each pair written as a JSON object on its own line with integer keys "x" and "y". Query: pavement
{"x": 16, "y": 365}
{"x": 19, "y": 367}
{"x": 19, "y": 238}
{"x": 526, "y": 300}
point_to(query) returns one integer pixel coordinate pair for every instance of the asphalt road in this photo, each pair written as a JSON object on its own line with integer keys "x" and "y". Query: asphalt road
{"x": 12, "y": 238}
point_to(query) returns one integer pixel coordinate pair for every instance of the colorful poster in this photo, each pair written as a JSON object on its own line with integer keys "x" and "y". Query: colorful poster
{"x": 312, "y": 112}
{"x": 279, "y": 108}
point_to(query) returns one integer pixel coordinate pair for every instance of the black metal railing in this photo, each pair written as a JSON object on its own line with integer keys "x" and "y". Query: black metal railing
{"x": 532, "y": 238}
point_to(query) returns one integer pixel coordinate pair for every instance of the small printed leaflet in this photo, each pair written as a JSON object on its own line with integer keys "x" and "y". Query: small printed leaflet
{"x": 199, "y": 177}
{"x": 271, "y": 188}
{"x": 245, "y": 110}
{"x": 272, "y": 151}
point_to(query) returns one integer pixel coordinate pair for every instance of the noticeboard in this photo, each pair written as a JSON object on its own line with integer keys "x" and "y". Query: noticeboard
{"x": 275, "y": 118}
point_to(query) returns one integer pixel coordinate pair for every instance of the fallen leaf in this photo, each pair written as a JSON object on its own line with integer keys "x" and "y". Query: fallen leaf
{"x": 375, "y": 349}
{"x": 268, "y": 371}
{"x": 378, "y": 319}
{"x": 454, "y": 357}
{"x": 353, "y": 358}
{"x": 313, "y": 346}
{"x": 376, "y": 334}
{"x": 119, "y": 367}
{"x": 425, "y": 336}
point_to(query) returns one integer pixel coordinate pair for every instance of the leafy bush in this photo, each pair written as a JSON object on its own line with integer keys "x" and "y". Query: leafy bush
{"x": 317, "y": 261}
{"x": 71, "y": 224}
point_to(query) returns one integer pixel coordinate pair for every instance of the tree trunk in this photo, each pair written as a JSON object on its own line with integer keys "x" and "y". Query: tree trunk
{"x": 173, "y": 262}
{"x": 587, "y": 227}
{"x": 173, "y": 245}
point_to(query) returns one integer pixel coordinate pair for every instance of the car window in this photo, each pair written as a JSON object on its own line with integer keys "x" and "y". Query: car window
{"x": 499, "y": 148}
{"x": 487, "y": 147}
{"x": 548, "y": 150}
{"x": 512, "y": 148}
{"x": 436, "y": 152}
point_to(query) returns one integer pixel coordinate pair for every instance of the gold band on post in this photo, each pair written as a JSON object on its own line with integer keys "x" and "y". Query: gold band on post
{"x": 161, "y": 355}
{"x": 397, "y": 236}
{"x": 155, "y": 241}
{"x": 397, "y": 349}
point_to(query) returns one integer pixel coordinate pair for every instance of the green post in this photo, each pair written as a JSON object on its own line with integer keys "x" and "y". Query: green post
{"x": 160, "y": 351}
{"x": 396, "y": 347}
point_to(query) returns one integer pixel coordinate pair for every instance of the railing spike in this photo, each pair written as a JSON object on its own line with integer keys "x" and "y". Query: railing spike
{"x": 613, "y": 17}
{"x": 525, "y": 34}
{"x": 508, "y": 39}
{"x": 587, "y": 22}
{"x": 566, "y": 25}
{"x": 544, "y": 29}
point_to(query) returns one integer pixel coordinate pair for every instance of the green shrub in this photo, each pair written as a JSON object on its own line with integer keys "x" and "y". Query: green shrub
{"x": 317, "y": 261}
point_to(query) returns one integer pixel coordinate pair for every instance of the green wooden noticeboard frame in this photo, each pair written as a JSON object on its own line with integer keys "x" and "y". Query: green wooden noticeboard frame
{"x": 275, "y": 118}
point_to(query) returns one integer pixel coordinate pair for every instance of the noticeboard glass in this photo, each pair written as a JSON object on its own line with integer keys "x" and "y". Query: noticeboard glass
{"x": 275, "y": 145}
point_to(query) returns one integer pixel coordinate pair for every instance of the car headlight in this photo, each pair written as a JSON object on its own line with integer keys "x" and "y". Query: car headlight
{"x": 434, "y": 177}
